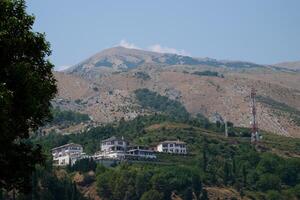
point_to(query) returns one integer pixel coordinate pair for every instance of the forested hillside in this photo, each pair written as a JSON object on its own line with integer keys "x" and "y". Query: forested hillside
{"x": 265, "y": 171}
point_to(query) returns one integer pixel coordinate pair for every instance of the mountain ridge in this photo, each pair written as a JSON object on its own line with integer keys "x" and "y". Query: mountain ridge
{"x": 121, "y": 58}
{"x": 106, "y": 93}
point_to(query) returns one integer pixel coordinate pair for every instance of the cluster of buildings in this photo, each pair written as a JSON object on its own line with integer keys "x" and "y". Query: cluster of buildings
{"x": 115, "y": 148}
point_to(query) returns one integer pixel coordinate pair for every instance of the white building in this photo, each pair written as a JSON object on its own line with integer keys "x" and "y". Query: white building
{"x": 67, "y": 154}
{"x": 176, "y": 146}
{"x": 141, "y": 152}
{"x": 112, "y": 147}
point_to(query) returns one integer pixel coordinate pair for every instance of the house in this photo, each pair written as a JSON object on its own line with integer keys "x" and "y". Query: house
{"x": 172, "y": 146}
{"x": 113, "y": 147}
{"x": 140, "y": 152}
{"x": 118, "y": 148}
{"x": 67, "y": 154}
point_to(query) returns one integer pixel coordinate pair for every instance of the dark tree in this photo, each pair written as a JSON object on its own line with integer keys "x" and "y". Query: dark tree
{"x": 26, "y": 87}
{"x": 226, "y": 177}
{"x": 204, "y": 195}
{"x": 244, "y": 172}
{"x": 152, "y": 195}
{"x": 205, "y": 159}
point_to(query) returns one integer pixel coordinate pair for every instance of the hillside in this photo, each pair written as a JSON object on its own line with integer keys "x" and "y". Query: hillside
{"x": 289, "y": 65}
{"x": 215, "y": 166}
{"x": 106, "y": 91}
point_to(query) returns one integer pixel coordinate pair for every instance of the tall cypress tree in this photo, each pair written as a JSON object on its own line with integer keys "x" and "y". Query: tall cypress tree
{"x": 205, "y": 160}
{"x": 244, "y": 172}
{"x": 226, "y": 177}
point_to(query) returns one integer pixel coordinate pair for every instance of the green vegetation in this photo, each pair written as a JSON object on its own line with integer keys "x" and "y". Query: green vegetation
{"x": 208, "y": 73}
{"x": 293, "y": 113}
{"x": 287, "y": 146}
{"x": 158, "y": 103}
{"x": 27, "y": 86}
{"x": 142, "y": 75}
{"x": 83, "y": 165}
{"x": 213, "y": 161}
{"x": 68, "y": 116}
{"x": 47, "y": 185}
{"x": 146, "y": 182}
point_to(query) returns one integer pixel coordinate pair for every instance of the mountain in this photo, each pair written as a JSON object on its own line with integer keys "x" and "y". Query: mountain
{"x": 103, "y": 86}
{"x": 289, "y": 65}
{"x": 120, "y": 58}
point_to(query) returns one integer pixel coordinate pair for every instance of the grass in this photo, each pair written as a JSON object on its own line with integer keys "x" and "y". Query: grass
{"x": 286, "y": 145}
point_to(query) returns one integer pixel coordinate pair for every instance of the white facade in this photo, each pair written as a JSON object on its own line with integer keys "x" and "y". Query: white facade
{"x": 119, "y": 149}
{"x": 177, "y": 147}
{"x": 141, "y": 152}
{"x": 113, "y": 148}
{"x": 67, "y": 154}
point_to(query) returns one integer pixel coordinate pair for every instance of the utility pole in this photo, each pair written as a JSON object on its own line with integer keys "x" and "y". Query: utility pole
{"x": 226, "y": 128}
{"x": 254, "y": 129}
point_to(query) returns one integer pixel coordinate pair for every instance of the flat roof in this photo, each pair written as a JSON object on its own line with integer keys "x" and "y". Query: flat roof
{"x": 146, "y": 150}
{"x": 172, "y": 142}
{"x": 66, "y": 145}
{"x": 113, "y": 138}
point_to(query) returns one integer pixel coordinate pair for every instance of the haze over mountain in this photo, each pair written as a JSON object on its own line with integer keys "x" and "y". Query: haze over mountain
{"x": 103, "y": 86}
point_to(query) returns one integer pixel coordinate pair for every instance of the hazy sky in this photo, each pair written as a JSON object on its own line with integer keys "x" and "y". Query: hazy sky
{"x": 262, "y": 31}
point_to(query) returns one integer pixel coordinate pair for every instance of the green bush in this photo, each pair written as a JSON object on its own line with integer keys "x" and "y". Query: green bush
{"x": 158, "y": 103}
{"x": 152, "y": 195}
{"x": 146, "y": 182}
{"x": 269, "y": 182}
{"x": 208, "y": 73}
{"x": 68, "y": 116}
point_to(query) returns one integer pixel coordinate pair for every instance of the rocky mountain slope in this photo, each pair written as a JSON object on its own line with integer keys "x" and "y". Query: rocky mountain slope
{"x": 289, "y": 65}
{"x": 103, "y": 86}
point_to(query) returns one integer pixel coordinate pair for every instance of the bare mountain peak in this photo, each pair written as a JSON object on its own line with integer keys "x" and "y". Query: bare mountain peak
{"x": 120, "y": 58}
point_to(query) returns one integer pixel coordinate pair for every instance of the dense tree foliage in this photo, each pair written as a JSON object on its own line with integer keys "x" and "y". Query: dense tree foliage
{"x": 159, "y": 103}
{"x": 218, "y": 161}
{"x": 146, "y": 182}
{"x": 83, "y": 165}
{"x": 26, "y": 87}
{"x": 47, "y": 185}
{"x": 68, "y": 116}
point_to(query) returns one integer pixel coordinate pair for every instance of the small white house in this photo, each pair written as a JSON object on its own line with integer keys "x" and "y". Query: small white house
{"x": 67, "y": 154}
{"x": 176, "y": 146}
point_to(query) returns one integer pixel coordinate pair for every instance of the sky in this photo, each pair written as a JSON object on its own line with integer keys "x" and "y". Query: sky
{"x": 261, "y": 31}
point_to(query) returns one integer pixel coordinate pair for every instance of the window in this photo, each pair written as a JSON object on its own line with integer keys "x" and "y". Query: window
{"x": 120, "y": 143}
{"x": 171, "y": 145}
{"x": 165, "y": 145}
